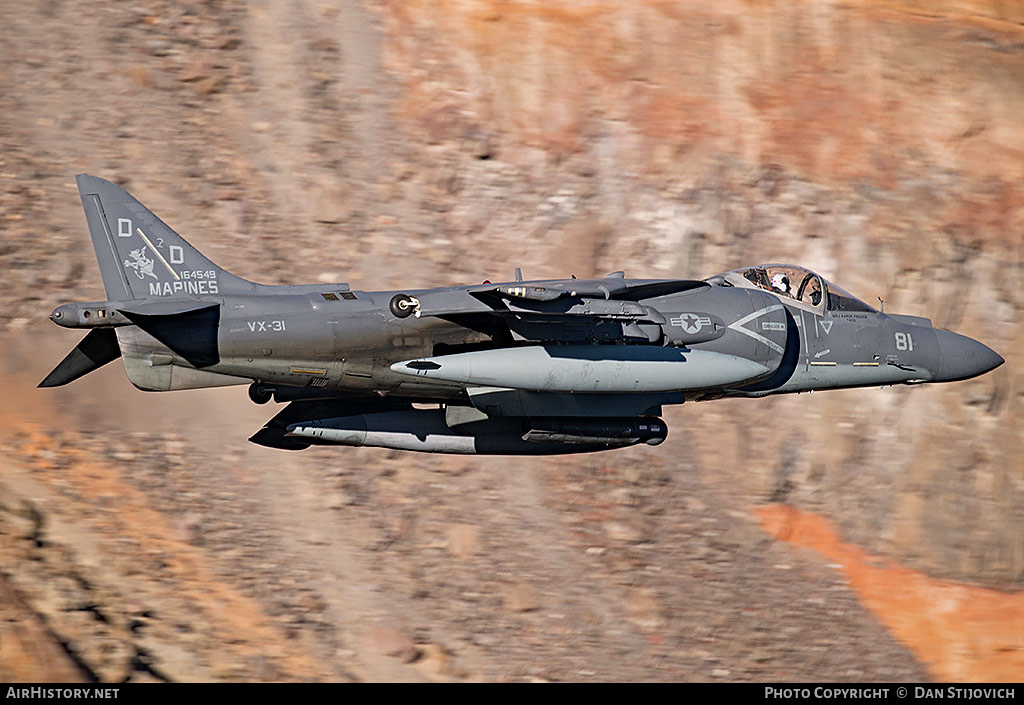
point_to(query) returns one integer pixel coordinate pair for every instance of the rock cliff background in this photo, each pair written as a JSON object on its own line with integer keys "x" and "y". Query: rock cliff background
{"x": 412, "y": 143}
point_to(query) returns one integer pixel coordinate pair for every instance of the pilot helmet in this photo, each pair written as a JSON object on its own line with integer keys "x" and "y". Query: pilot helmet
{"x": 780, "y": 281}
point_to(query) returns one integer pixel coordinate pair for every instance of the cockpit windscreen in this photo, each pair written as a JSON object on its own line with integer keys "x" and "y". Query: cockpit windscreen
{"x": 841, "y": 300}
{"x": 793, "y": 282}
{"x": 803, "y": 286}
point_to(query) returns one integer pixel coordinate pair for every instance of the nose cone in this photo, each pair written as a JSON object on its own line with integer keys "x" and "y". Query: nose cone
{"x": 961, "y": 357}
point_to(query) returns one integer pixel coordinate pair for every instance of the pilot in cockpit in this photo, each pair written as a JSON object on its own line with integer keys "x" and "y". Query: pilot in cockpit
{"x": 814, "y": 292}
{"x": 780, "y": 283}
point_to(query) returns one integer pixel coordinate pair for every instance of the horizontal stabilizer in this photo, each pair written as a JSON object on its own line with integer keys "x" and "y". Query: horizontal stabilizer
{"x": 96, "y": 349}
{"x": 187, "y": 328}
{"x": 164, "y": 308}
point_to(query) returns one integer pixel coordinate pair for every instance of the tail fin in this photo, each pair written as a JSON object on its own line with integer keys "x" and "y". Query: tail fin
{"x": 139, "y": 256}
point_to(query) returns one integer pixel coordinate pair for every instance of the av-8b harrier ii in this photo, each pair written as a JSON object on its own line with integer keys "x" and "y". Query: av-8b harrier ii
{"x": 520, "y": 367}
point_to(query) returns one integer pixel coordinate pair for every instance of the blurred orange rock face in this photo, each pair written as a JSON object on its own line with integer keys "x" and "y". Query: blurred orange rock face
{"x": 28, "y": 653}
{"x": 961, "y": 633}
{"x": 843, "y": 93}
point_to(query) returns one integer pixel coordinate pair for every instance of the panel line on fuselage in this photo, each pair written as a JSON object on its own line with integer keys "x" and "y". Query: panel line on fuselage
{"x": 738, "y": 326}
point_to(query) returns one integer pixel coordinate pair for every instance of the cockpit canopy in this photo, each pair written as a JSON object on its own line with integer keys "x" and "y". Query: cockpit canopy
{"x": 797, "y": 283}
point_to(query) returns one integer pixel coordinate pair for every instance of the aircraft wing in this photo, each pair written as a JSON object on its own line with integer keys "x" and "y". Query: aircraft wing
{"x": 274, "y": 432}
{"x": 541, "y": 297}
{"x": 569, "y": 310}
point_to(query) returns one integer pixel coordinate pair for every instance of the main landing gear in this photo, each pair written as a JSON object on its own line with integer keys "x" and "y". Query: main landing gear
{"x": 260, "y": 393}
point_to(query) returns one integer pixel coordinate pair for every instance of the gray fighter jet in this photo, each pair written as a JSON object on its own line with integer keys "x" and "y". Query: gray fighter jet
{"x": 520, "y": 367}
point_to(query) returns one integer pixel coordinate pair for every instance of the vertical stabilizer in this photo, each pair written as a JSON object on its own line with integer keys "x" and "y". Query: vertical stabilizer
{"x": 139, "y": 256}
